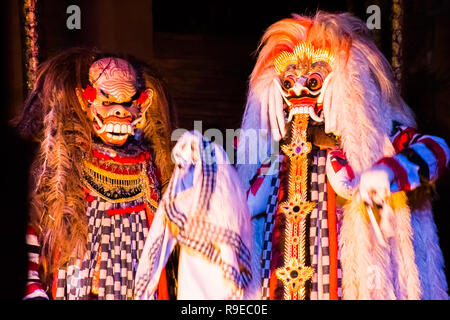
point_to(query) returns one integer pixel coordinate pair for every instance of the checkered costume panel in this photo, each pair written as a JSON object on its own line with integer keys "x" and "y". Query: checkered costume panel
{"x": 120, "y": 240}
{"x": 141, "y": 285}
{"x": 268, "y": 234}
{"x": 319, "y": 241}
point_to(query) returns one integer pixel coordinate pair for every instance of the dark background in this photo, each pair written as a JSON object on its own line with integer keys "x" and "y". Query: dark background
{"x": 205, "y": 52}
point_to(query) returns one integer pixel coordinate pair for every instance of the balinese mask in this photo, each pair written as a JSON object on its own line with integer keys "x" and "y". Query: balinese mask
{"x": 302, "y": 81}
{"x": 114, "y": 104}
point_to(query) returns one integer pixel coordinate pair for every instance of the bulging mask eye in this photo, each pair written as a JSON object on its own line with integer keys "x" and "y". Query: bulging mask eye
{"x": 288, "y": 83}
{"x": 314, "y": 82}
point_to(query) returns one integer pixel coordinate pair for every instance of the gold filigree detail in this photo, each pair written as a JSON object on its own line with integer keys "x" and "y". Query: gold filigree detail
{"x": 283, "y": 60}
{"x": 294, "y": 275}
{"x": 295, "y": 209}
{"x": 301, "y": 51}
{"x": 297, "y": 150}
{"x": 117, "y": 188}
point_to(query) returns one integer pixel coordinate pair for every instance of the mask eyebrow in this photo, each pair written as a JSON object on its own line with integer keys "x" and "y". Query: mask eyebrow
{"x": 321, "y": 67}
{"x": 104, "y": 93}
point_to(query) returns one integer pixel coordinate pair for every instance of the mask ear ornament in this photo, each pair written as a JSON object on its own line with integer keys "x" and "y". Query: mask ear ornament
{"x": 145, "y": 100}
{"x": 90, "y": 93}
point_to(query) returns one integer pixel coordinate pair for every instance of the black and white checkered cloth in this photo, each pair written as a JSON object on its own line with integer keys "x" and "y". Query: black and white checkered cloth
{"x": 319, "y": 241}
{"x": 200, "y": 234}
{"x": 268, "y": 234}
{"x": 121, "y": 238}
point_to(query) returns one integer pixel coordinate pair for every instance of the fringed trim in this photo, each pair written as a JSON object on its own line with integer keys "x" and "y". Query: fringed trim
{"x": 371, "y": 271}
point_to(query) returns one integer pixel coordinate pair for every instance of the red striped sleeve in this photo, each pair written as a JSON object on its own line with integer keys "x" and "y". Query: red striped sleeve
{"x": 438, "y": 150}
{"x": 31, "y": 231}
{"x": 32, "y": 266}
{"x": 419, "y": 159}
{"x": 33, "y": 287}
{"x": 403, "y": 138}
{"x": 401, "y": 175}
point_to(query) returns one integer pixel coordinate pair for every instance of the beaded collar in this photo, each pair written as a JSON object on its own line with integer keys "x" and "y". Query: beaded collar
{"x": 119, "y": 176}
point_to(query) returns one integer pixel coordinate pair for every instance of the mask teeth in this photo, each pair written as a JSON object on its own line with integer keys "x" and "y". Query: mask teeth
{"x": 304, "y": 110}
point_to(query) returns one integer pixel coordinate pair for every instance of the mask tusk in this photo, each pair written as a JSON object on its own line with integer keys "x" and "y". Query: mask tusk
{"x": 313, "y": 115}
{"x": 101, "y": 130}
{"x": 99, "y": 122}
{"x": 291, "y": 115}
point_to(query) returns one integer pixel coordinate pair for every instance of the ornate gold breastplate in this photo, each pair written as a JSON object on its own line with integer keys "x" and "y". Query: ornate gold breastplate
{"x": 118, "y": 178}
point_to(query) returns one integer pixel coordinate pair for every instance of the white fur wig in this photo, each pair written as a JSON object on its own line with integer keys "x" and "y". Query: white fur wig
{"x": 360, "y": 105}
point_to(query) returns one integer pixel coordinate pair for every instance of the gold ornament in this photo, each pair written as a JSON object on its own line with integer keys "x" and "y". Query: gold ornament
{"x": 294, "y": 276}
{"x": 301, "y": 51}
{"x": 294, "y": 273}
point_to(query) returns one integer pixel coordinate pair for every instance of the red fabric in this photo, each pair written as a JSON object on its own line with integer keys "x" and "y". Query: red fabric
{"x": 158, "y": 175}
{"x": 54, "y": 285}
{"x": 32, "y": 266}
{"x": 138, "y": 208}
{"x": 350, "y": 173}
{"x": 142, "y": 97}
{"x": 118, "y": 169}
{"x": 339, "y": 161}
{"x": 336, "y": 165}
{"x": 32, "y": 231}
{"x": 438, "y": 152}
{"x": 163, "y": 291}
{"x": 32, "y": 287}
{"x": 256, "y": 184}
{"x": 333, "y": 244}
{"x": 400, "y": 173}
{"x": 123, "y": 160}
{"x": 403, "y": 139}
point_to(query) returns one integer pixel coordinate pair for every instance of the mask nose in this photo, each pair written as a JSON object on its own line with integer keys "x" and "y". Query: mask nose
{"x": 299, "y": 89}
{"x": 119, "y": 111}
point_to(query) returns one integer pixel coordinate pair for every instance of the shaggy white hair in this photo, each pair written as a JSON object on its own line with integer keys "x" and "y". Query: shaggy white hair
{"x": 360, "y": 104}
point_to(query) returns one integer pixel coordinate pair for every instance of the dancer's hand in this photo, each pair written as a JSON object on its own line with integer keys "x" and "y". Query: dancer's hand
{"x": 374, "y": 186}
